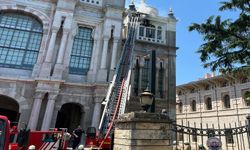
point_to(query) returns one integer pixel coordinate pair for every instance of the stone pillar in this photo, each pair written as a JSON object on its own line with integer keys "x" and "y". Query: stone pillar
{"x": 46, "y": 66}
{"x": 114, "y": 53}
{"x": 50, "y": 51}
{"x": 49, "y": 112}
{"x": 59, "y": 67}
{"x": 96, "y": 115}
{"x": 104, "y": 53}
{"x": 143, "y": 131}
{"x": 62, "y": 47}
{"x": 35, "y": 111}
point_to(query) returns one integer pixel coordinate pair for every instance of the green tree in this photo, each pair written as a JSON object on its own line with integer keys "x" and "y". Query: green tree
{"x": 226, "y": 42}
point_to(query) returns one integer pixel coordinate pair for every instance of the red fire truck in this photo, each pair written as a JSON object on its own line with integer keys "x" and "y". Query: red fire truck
{"x": 44, "y": 140}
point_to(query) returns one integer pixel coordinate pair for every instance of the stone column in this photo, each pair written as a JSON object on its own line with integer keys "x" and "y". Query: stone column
{"x": 59, "y": 67}
{"x": 46, "y": 66}
{"x": 114, "y": 53}
{"x": 50, "y": 51}
{"x": 35, "y": 111}
{"x": 104, "y": 53}
{"x": 62, "y": 47}
{"x": 96, "y": 115}
{"x": 143, "y": 131}
{"x": 49, "y": 111}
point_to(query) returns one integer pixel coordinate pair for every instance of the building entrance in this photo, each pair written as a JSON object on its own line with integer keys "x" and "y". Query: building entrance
{"x": 69, "y": 116}
{"x": 10, "y": 108}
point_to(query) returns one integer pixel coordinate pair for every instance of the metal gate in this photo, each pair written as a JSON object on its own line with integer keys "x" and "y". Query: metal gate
{"x": 230, "y": 136}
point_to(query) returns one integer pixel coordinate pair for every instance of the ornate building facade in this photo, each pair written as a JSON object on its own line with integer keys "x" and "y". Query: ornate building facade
{"x": 57, "y": 58}
{"x": 215, "y": 102}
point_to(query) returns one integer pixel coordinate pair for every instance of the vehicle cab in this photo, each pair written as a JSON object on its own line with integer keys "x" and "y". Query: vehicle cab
{"x": 4, "y": 133}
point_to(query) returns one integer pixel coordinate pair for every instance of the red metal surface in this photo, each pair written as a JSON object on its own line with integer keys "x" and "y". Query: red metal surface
{"x": 90, "y": 142}
{"x": 38, "y": 138}
{"x": 7, "y": 132}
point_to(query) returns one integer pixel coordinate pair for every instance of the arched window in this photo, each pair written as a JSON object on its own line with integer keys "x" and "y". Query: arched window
{"x": 81, "y": 52}
{"x": 208, "y": 103}
{"x": 193, "y": 105}
{"x": 226, "y": 101}
{"x": 150, "y": 32}
{"x": 247, "y": 98}
{"x": 20, "y": 40}
{"x": 159, "y": 33}
{"x": 141, "y": 31}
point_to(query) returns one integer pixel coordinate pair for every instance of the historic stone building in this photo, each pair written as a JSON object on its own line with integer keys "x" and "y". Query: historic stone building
{"x": 57, "y": 58}
{"x": 220, "y": 100}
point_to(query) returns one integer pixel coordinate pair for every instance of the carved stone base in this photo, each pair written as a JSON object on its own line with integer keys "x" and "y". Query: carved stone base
{"x": 143, "y": 131}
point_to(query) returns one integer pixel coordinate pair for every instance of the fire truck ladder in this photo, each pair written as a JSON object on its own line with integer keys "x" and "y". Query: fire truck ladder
{"x": 119, "y": 87}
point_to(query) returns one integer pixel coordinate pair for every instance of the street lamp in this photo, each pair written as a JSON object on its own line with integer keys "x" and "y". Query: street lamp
{"x": 147, "y": 100}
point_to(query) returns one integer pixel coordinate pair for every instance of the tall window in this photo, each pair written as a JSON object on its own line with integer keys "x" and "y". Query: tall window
{"x": 209, "y": 103}
{"x": 81, "y": 52}
{"x": 150, "y": 32}
{"x": 20, "y": 40}
{"x": 180, "y": 106}
{"x": 229, "y": 136}
{"x": 226, "y": 101}
{"x": 145, "y": 74}
{"x": 136, "y": 77}
{"x": 193, "y": 105}
{"x": 161, "y": 81}
{"x": 141, "y": 31}
{"x": 194, "y": 135}
{"x": 159, "y": 33}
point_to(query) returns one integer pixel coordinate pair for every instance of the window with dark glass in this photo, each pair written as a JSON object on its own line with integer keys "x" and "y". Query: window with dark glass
{"x": 159, "y": 33}
{"x": 145, "y": 75}
{"x": 194, "y": 135}
{"x": 226, "y": 101}
{"x": 193, "y": 105}
{"x": 136, "y": 77}
{"x": 180, "y": 135}
{"x": 150, "y": 32}
{"x": 209, "y": 103}
{"x": 180, "y": 107}
{"x": 192, "y": 90}
{"x": 141, "y": 31}
{"x": 81, "y": 52}
{"x": 207, "y": 87}
{"x": 161, "y": 80}
{"x": 244, "y": 80}
{"x": 229, "y": 136}
{"x": 20, "y": 40}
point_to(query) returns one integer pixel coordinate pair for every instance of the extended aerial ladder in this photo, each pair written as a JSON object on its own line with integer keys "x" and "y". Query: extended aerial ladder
{"x": 118, "y": 90}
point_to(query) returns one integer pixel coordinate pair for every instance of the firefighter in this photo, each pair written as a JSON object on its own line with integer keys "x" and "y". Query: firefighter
{"x": 77, "y": 134}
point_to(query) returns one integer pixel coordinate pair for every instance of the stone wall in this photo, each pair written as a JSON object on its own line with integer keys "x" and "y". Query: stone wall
{"x": 143, "y": 131}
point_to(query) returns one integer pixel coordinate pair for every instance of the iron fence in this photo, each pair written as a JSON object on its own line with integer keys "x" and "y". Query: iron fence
{"x": 231, "y": 136}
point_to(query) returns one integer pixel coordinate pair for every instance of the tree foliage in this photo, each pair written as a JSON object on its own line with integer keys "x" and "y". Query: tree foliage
{"x": 226, "y": 42}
